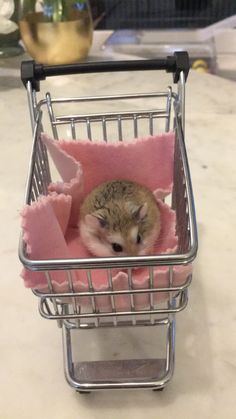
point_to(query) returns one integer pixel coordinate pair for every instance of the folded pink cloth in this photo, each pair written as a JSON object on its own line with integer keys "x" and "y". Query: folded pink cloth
{"x": 50, "y": 224}
{"x": 148, "y": 161}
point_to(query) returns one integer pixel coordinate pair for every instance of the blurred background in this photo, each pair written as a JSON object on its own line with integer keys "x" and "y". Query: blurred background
{"x": 152, "y": 28}
{"x": 162, "y": 14}
{"x": 62, "y": 31}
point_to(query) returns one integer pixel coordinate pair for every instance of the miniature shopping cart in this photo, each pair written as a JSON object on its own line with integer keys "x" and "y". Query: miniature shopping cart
{"x": 121, "y": 114}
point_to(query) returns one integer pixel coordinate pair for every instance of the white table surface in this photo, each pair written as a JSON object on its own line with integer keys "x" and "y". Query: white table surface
{"x": 32, "y": 383}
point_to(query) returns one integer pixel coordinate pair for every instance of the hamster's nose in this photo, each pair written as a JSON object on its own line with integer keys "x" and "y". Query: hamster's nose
{"x": 133, "y": 251}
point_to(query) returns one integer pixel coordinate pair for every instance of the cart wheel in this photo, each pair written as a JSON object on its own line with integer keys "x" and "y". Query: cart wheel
{"x": 158, "y": 389}
{"x": 83, "y": 392}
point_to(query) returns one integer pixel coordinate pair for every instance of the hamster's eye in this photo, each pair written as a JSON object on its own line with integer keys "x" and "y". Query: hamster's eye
{"x": 117, "y": 247}
{"x": 138, "y": 239}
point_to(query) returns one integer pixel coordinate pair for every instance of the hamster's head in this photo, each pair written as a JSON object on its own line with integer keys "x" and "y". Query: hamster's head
{"x": 129, "y": 233}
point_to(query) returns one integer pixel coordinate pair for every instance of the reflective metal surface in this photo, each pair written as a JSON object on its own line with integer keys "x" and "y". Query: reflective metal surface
{"x": 164, "y": 111}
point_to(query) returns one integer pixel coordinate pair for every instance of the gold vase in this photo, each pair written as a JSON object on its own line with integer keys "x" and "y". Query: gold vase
{"x": 56, "y": 31}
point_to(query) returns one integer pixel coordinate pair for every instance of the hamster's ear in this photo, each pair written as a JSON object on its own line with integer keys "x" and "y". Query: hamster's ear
{"x": 95, "y": 221}
{"x": 139, "y": 213}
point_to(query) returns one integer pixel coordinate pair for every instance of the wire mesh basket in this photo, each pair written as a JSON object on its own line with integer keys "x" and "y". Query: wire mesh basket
{"x": 64, "y": 116}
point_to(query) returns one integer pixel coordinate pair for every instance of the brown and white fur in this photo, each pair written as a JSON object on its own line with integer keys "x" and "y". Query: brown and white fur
{"x": 119, "y": 218}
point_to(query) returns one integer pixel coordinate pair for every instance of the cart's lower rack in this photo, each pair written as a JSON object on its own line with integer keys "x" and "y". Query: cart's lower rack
{"x": 67, "y": 306}
{"x": 152, "y": 373}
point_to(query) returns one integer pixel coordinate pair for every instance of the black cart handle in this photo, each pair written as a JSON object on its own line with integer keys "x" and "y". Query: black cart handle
{"x": 34, "y": 72}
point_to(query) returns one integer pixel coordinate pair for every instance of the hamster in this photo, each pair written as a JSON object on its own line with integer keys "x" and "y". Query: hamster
{"x": 119, "y": 218}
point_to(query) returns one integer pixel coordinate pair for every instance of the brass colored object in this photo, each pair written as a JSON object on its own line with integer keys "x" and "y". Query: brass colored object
{"x": 56, "y": 31}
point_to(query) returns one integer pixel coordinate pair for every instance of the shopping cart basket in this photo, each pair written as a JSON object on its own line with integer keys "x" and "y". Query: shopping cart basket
{"x": 163, "y": 111}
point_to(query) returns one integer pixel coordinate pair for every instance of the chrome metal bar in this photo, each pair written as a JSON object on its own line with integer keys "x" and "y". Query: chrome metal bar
{"x": 67, "y": 352}
{"x": 170, "y": 360}
{"x": 113, "y": 306}
{"x": 89, "y": 132}
{"x": 151, "y": 279}
{"x": 171, "y": 276}
{"x": 54, "y": 302}
{"x": 51, "y": 116}
{"x": 179, "y": 288}
{"x": 76, "y": 307}
{"x": 71, "y": 289}
{"x": 120, "y": 136}
{"x": 122, "y": 323}
{"x": 189, "y": 190}
{"x": 179, "y": 190}
{"x": 93, "y": 301}
{"x": 104, "y": 129}
{"x": 73, "y": 132}
{"x": 38, "y": 176}
{"x": 184, "y": 297}
{"x": 33, "y": 196}
{"x": 130, "y": 285}
{"x": 135, "y": 126}
{"x": 44, "y": 156}
{"x": 31, "y": 104}
{"x": 43, "y": 168}
{"x": 112, "y": 262}
{"x": 108, "y": 97}
{"x": 47, "y": 307}
{"x": 151, "y": 124}
{"x": 60, "y": 120}
{"x": 168, "y": 109}
{"x": 98, "y": 315}
{"x": 30, "y": 183}
{"x": 36, "y": 123}
{"x": 35, "y": 187}
{"x": 181, "y": 95}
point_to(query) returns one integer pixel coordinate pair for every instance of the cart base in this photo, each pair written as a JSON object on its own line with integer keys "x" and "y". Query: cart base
{"x": 119, "y": 374}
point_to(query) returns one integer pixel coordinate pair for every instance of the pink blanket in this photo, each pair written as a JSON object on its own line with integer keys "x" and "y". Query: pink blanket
{"x": 50, "y": 224}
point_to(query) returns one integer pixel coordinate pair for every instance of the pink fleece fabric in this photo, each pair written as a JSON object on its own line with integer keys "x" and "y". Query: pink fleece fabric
{"x": 148, "y": 161}
{"x": 50, "y": 224}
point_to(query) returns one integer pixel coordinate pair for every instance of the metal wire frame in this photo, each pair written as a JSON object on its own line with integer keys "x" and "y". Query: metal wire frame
{"x": 120, "y": 374}
{"x": 88, "y": 119}
{"x": 59, "y": 300}
{"x": 54, "y": 304}
{"x": 66, "y": 307}
{"x": 173, "y": 259}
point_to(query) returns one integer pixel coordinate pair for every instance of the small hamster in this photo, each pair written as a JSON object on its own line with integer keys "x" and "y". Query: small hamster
{"x": 119, "y": 218}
